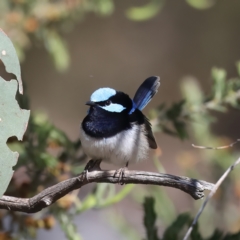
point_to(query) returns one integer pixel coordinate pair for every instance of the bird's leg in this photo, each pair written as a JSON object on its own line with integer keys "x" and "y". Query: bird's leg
{"x": 121, "y": 173}
{"x": 92, "y": 165}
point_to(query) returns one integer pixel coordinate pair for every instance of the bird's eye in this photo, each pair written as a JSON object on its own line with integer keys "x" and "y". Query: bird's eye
{"x": 108, "y": 102}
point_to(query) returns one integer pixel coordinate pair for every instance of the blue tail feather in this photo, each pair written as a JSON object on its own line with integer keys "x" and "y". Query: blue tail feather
{"x": 146, "y": 91}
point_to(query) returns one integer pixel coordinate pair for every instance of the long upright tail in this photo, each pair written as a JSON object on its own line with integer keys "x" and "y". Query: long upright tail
{"x": 146, "y": 91}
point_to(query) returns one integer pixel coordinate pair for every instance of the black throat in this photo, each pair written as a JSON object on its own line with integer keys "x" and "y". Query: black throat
{"x": 102, "y": 124}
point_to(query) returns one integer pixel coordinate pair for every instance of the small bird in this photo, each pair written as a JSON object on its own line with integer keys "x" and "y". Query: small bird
{"x": 115, "y": 130}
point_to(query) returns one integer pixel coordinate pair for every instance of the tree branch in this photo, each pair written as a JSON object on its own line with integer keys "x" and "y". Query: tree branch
{"x": 212, "y": 192}
{"x": 193, "y": 187}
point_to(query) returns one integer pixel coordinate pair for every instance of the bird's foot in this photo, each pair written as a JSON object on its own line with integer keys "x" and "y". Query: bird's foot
{"x": 92, "y": 165}
{"x": 121, "y": 172}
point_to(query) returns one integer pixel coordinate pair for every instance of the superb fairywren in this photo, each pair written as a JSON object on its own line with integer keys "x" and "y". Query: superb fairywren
{"x": 115, "y": 130}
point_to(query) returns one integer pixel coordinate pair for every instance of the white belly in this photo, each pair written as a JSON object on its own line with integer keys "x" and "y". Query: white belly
{"x": 128, "y": 146}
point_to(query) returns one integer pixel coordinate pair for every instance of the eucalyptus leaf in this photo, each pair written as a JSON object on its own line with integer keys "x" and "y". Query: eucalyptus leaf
{"x": 145, "y": 12}
{"x": 9, "y": 57}
{"x": 201, "y": 4}
{"x": 13, "y": 120}
{"x": 57, "y": 49}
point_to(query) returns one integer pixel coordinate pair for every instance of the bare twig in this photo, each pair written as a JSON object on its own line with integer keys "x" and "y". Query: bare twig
{"x": 193, "y": 187}
{"x": 213, "y": 191}
{"x": 217, "y": 148}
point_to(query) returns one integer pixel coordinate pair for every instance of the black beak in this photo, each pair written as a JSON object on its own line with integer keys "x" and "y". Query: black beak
{"x": 90, "y": 103}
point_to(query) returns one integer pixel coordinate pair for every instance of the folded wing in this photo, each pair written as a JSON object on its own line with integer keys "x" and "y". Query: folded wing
{"x": 151, "y": 140}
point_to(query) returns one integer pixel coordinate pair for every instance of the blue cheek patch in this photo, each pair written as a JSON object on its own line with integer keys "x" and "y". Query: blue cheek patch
{"x": 102, "y": 94}
{"x": 133, "y": 108}
{"x": 113, "y": 107}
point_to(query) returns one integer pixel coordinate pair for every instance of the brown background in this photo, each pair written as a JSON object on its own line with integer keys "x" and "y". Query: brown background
{"x": 119, "y": 53}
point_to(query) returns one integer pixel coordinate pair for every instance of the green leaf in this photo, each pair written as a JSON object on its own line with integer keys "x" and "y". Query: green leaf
{"x": 175, "y": 116}
{"x": 118, "y": 197}
{"x": 238, "y": 67}
{"x": 176, "y": 110}
{"x": 180, "y": 127}
{"x": 195, "y": 235}
{"x": 173, "y": 231}
{"x": 216, "y": 235}
{"x": 219, "y": 83}
{"x": 193, "y": 94}
{"x": 201, "y": 4}
{"x": 13, "y": 120}
{"x": 9, "y": 57}
{"x": 57, "y": 49}
{"x": 47, "y": 160}
{"x": 89, "y": 202}
{"x": 67, "y": 225}
{"x": 150, "y": 218}
{"x": 100, "y": 191}
{"x": 235, "y": 236}
{"x": 145, "y": 12}
{"x": 105, "y": 7}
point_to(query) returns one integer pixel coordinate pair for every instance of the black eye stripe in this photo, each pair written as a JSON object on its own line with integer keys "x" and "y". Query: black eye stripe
{"x": 120, "y": 98}
{"x": 101, "y": 103}
{"x": 108, "y": 102}
{"x": 104, "y": 103}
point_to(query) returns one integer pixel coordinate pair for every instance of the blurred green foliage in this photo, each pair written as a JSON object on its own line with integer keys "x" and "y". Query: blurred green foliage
{"x": 48, "y": 156}
{"x": 150, "y": 219}
{"x": 201, "y": 4}
{"x": 175, "y": 120}
{"x": 177, "y": 229}
{"x": 145, "y": 12}
{"x": 194, "y": 116}
{"x": 43, "y": 22}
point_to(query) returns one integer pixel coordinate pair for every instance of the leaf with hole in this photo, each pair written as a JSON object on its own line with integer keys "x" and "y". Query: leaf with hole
{"x": 9, "y": 58}
{"x": 13, "y": 120}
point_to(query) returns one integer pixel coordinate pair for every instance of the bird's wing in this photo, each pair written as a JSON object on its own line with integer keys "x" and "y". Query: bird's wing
{"x": 151, "y": 140}
{"x": 146, "y": 91}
